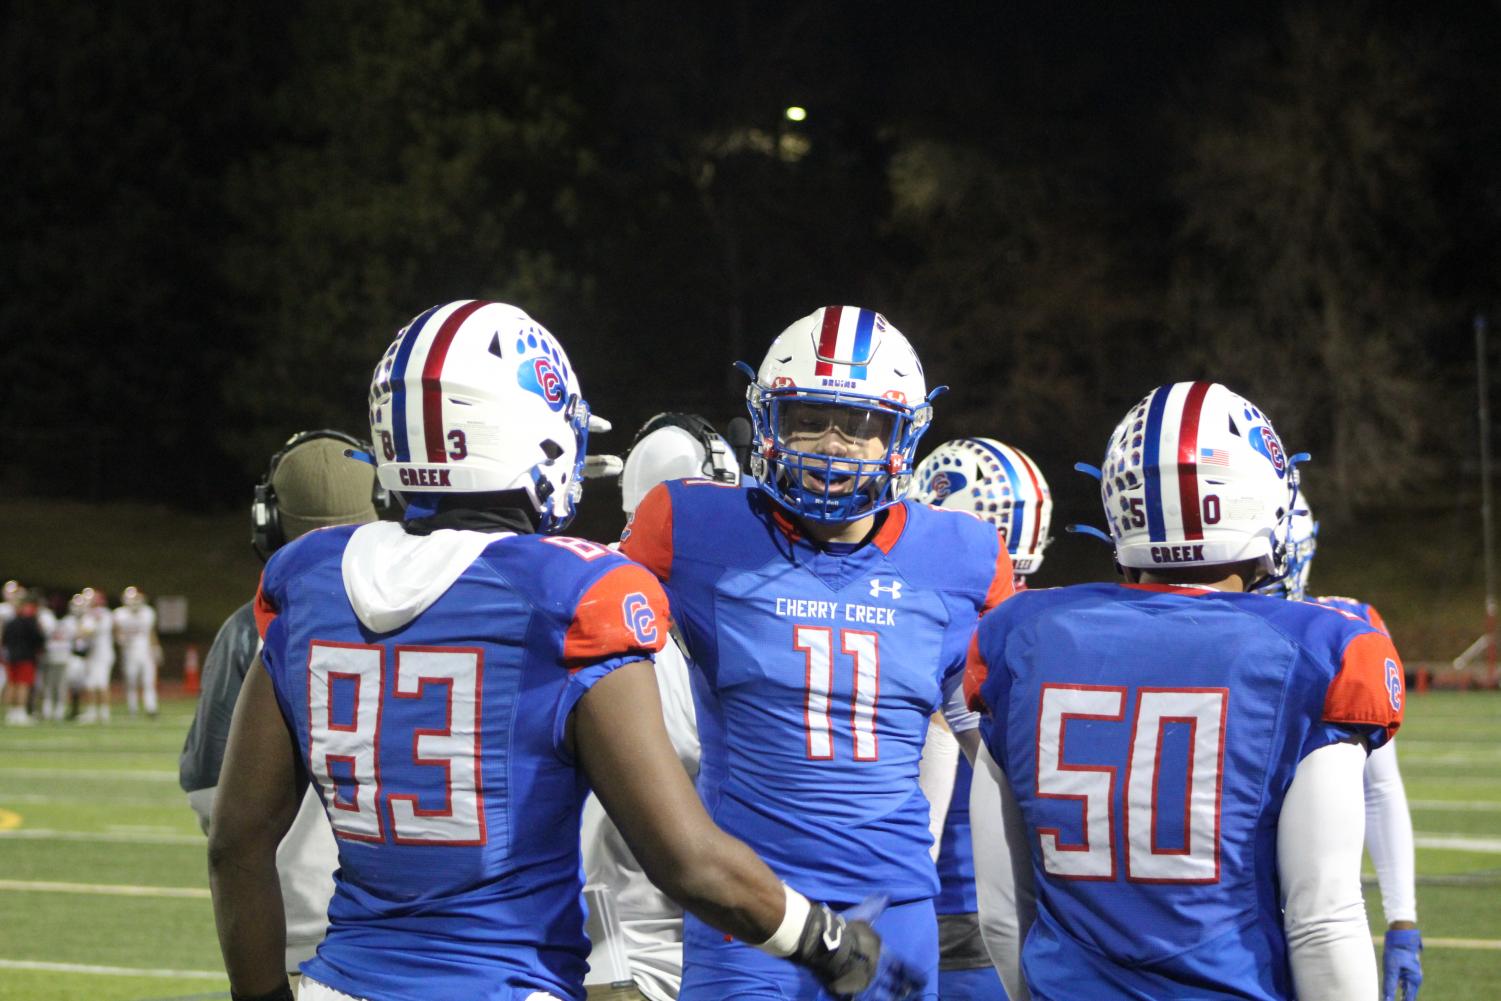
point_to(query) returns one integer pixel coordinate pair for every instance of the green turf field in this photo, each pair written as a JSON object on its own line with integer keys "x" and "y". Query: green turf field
{"x": 104, "y": 896}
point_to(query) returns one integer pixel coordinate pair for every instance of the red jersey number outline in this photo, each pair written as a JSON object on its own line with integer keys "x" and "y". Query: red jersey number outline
{"x": 1205, "y": 712}
{"x": 396, "y": 816}
{"x": 816, "y": 643}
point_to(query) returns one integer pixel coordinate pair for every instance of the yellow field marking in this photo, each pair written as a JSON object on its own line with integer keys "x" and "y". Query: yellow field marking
{"x": 1484, "y": 944}
{"x": 9, "y": 820}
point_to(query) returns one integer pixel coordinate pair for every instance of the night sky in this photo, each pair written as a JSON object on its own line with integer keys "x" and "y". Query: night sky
{"x": 220, "y": 216}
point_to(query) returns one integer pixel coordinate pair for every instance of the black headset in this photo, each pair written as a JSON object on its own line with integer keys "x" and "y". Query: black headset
{"x": 717, "y": 451}
{"x": 266, "y": 532}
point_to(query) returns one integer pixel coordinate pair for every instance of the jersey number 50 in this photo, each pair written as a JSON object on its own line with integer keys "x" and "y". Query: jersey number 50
{"x": 345, "y": 708}
{"x": 1196, "y": 858}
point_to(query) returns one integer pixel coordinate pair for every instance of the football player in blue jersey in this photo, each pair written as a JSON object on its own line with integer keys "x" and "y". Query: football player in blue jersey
{"x": 1179, "y": 761}
{"x": 1388, "y": 832}
{"x": 826, "y": 618}
{"x": 1002, "y": 485}
{"x": 451, "y": 685}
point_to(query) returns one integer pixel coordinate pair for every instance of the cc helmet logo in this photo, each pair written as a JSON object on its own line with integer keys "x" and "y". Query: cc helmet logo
{"x": 550, "y": 381}
{"x": 542, "y": 377}
{"x": 895, "y": 396}
{"x": 1271, "y": 448}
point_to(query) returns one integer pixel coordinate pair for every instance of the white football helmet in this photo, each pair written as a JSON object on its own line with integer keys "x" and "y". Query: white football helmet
{"x": 13, "y": 591}
{"x": 80, "y": 603}
{"x": 476, "y": 397}
{"x": 1302, "y": 543}
{"x": 132, "y": 597}
{"x": 674, "y": 446}
{"x": 848, "y": 371}
{"x": 997, "y": 483}
{"x": 1196, "y": 476}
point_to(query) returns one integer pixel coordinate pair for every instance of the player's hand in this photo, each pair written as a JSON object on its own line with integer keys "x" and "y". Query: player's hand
{"x": 844, "y": 951}
{"x": 1401, "y": 967}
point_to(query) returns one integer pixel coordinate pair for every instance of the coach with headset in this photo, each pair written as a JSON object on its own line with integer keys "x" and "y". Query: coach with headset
{"x": 312, "y": 482}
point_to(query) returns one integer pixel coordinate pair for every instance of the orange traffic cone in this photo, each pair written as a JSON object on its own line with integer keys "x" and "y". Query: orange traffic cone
{"x": 190, "y": 670}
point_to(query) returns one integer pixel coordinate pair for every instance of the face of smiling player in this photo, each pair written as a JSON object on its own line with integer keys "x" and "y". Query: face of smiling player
{"x": 839, "y": 433}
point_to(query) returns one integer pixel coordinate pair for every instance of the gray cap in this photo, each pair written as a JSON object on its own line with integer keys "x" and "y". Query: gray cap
{"x": 317, "y": 486}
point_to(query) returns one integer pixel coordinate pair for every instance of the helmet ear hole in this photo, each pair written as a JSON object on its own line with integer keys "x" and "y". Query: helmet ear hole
{"x": 551, "y": 449}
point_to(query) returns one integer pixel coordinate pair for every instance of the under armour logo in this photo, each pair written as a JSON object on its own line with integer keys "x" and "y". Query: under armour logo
{"x": 833, "y": 932}
{"x": 877, "y": 588}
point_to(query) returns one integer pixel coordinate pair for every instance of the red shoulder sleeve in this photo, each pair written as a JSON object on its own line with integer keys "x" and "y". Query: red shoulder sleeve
{"x": 265, "y": 611}
{"x": 1003, "y": 584}
{"x": 648, "y": 535}
{"x": 975, "y": 673}
{"x": 1378, "y": 621}
{"x": 623, "y": 612}
{"x": 1368, "y": 688}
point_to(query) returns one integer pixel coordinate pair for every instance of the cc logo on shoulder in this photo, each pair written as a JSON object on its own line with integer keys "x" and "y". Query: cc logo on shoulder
{"x": 640, "y": 618}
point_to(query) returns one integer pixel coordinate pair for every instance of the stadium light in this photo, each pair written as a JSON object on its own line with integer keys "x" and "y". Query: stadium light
{"x": 796, "y": 114}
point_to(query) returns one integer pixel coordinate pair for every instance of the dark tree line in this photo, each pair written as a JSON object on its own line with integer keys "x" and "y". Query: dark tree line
{"x": 220, "y": 214}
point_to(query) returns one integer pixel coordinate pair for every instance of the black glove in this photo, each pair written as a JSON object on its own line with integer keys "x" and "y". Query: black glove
{"x": 844, "y": 952}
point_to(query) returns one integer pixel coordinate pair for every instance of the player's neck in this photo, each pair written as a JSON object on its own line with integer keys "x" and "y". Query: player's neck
{"x": 1208, "y": 578}
{"x": 837, "y": 531}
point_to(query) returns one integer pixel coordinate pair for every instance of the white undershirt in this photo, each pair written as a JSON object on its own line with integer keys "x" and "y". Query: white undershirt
{"x": 1388, "y": 834}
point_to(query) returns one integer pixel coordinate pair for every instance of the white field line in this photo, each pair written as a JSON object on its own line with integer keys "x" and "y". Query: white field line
{"x": 128, "y": 775}
{"x": 125, "y": 837}
{"x": 1489, "y": 757}
{"x": 1485, "y": 846}
{"x": 106, "y": 890}
{"x": 1454, "y": 804}
{"x": 109, "y": 971}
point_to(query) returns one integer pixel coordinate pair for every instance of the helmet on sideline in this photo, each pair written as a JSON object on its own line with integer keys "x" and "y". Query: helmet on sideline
{"x": 845, "y": 371}
{"x": 477, "y": 397}
{"x": 675, "y": 446}
{"x": 997, "y": 483}
{"x": 1195, "y": 475}
{"x": 132, "y": 597}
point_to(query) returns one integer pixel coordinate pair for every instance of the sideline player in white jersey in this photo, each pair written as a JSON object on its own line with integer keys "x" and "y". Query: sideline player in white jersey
{"x": 1179, "y": 761}
{"x": 1000, "y": 484}
{"x": 1388, "y": 833}
{"x": 140, "y": 650}
{"x": 670, "y": 446}
{"x": 452, "y": 684}
{"x": 55, "y": 664}
{"x": 98, "y": 635}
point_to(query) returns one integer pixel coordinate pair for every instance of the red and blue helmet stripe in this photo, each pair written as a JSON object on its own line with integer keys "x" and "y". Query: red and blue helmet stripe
{"x": 1186, "y": 467}
{"x": 859, "y": 350}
